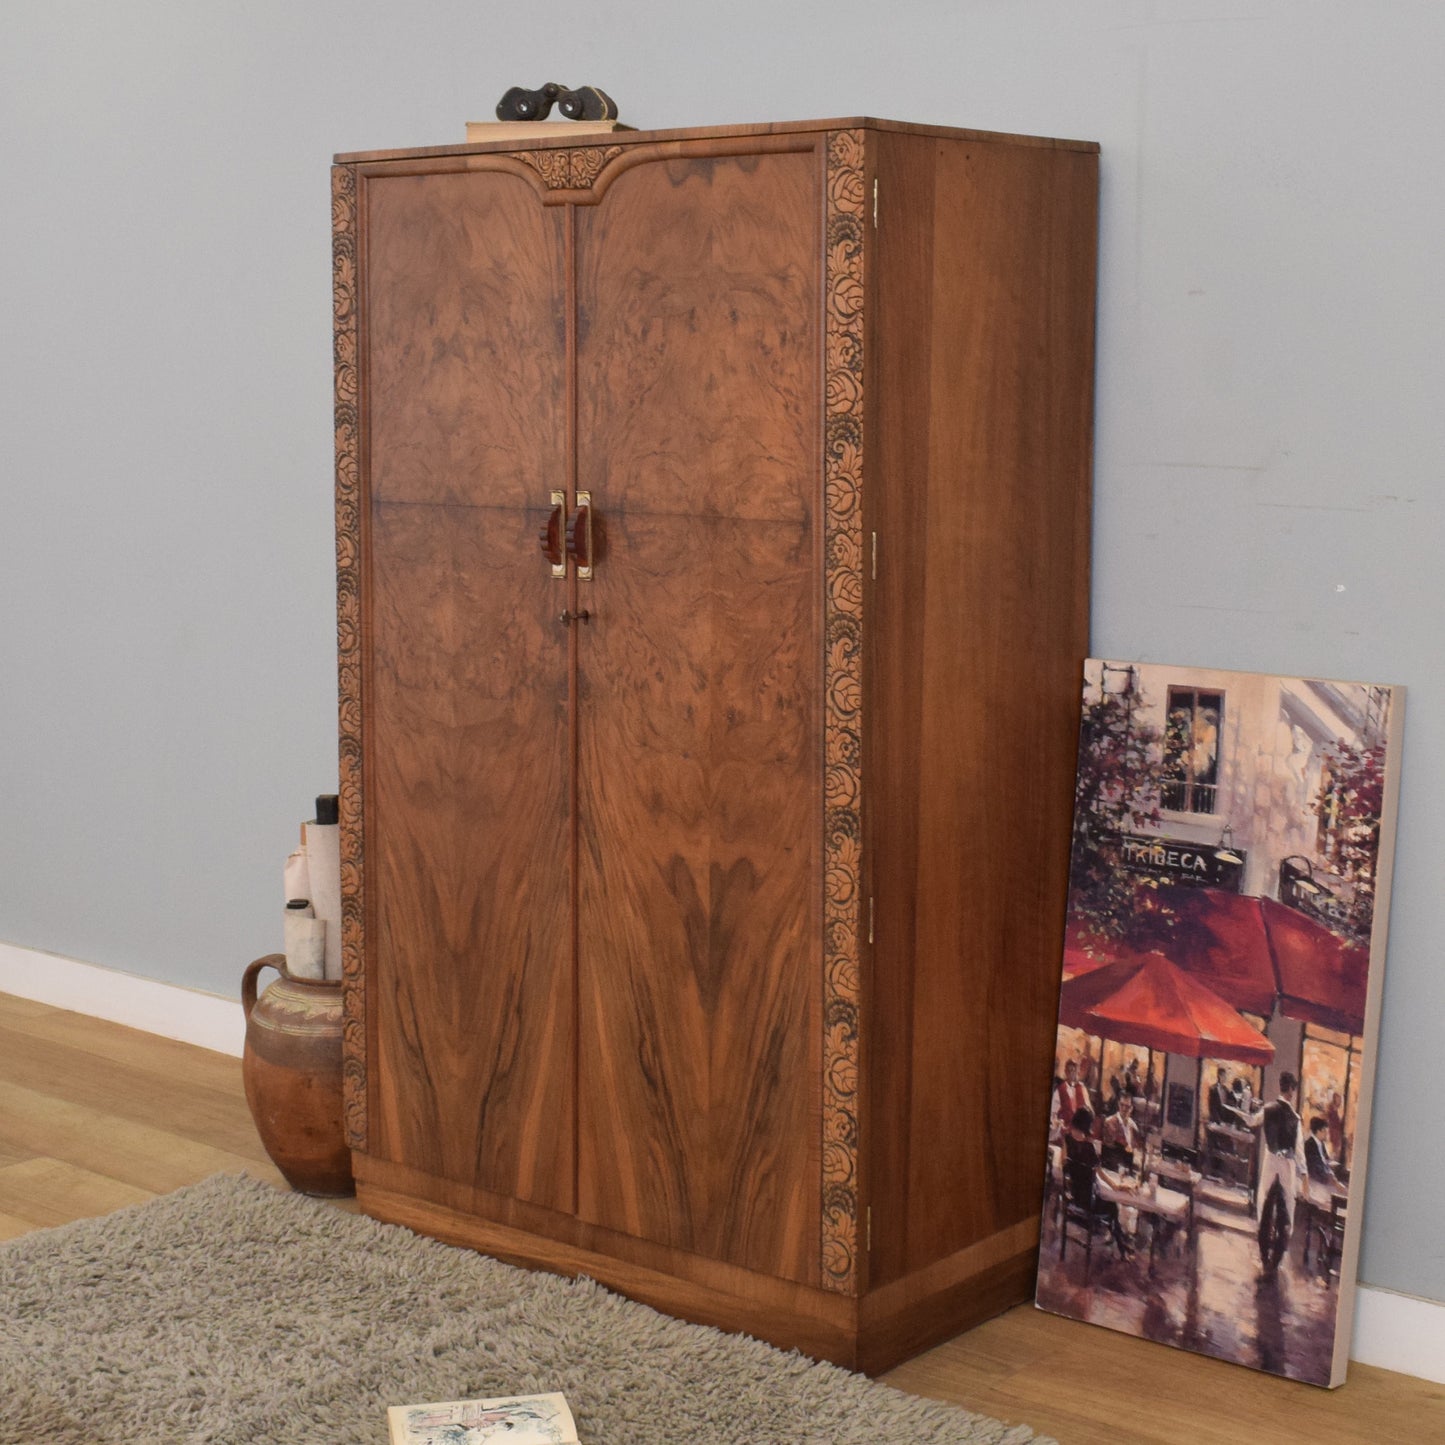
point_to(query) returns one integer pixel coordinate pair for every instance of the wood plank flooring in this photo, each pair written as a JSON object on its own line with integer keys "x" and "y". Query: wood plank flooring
{"x": 94, "y": 1116}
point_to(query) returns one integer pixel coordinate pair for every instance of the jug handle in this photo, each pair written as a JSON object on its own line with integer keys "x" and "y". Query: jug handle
{"x": 248, "y": 979}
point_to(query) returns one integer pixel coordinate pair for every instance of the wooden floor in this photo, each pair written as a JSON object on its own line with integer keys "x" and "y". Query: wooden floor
{"x": 94, "y": 1116}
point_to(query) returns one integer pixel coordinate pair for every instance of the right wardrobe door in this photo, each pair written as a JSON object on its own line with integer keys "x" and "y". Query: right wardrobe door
{"x": 699, "y": 765}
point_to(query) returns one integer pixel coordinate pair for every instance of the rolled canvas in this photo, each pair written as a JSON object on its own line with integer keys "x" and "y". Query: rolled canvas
{"x": 323, "y": 861}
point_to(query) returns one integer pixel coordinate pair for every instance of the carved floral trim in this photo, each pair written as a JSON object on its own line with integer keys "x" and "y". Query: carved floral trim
{"x": 569, "y": 170}
{"x": 348, "y": 645}
{"x": 843, "y": 688}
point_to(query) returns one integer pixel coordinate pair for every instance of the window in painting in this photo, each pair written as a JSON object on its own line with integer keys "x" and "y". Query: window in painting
{"x": 1243, "y": 1082}
{"x": 1083, "y": 1049}
{"x": 1128, "y": 1068}
{"x": 1329, "y": 1086}
{"x": 1249, "y": 1078}
{"x": 1191, "y": 750}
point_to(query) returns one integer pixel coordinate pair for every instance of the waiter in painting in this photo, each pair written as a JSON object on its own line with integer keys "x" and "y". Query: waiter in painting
{"x": 1281, "y": 1173}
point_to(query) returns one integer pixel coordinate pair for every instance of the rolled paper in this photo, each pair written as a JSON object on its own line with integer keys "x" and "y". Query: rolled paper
{"x": 298, "y": 880}
{"x": 323, "y": 862}
{"x": 305, "y": 945}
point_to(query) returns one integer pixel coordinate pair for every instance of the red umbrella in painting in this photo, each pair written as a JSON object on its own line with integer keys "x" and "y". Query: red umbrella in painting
{"x": 1252, "y": 952}
{"x": 1221, "y": 939}
{"x": 1146, "y": 999}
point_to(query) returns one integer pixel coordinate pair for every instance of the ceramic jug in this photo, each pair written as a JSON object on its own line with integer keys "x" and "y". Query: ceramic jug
{"x": 292, "y": 1072}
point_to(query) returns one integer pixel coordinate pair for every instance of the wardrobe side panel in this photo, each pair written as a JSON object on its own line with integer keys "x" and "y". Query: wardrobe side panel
{"x": 981, "y": 375}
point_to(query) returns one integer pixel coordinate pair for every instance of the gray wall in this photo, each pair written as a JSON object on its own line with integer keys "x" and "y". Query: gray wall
{"x": 1270, "y": 455}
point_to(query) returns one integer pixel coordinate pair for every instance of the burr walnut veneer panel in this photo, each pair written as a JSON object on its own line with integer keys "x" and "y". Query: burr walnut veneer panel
{"x": 468, "y": 792}
{"x": 465, "y": 341}
{"x": 698, "y": 769}
{"x": 467, "y": 686}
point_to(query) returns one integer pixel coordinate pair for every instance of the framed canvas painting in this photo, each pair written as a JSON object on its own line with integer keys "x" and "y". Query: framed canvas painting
{"x": 1219, "y": 1005}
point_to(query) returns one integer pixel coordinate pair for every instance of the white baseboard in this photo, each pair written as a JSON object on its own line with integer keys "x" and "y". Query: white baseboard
{"x": 1394, "y": 1331}
{"x": 204, "y": 1019}
{"x": 1399, "y": 1332}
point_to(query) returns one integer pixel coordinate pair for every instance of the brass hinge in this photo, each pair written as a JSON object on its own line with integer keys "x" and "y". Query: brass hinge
{"x": 870, "y": 920}
{"x": 868, "y": 1229}
{"x": 875, "y": 556}
{"x": 875, "y": 203}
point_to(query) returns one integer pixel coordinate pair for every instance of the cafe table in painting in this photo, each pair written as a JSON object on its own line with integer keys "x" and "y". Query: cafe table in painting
{"x": 1166, "y": 1198}
{"x": 1322, "y": 1208}
{"x": 1158, "y": 1202}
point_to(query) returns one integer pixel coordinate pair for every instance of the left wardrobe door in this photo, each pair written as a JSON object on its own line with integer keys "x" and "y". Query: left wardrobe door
{"x": 466, "y": 724}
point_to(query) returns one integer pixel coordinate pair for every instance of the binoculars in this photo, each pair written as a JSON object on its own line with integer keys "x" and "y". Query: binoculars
{"x": 585, "y": 103}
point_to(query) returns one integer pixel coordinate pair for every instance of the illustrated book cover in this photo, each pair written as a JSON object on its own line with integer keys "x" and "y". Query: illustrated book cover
{"x": 515, "y": 1419}
{"x": 1219, "y": 1006}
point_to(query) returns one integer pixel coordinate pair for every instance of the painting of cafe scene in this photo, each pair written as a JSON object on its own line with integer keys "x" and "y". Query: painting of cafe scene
{"x": 1218, "y": 1010}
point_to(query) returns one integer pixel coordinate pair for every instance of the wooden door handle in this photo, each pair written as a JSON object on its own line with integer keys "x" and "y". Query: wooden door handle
{"x": 550, "y": 537}
{"x": 579, "y": 536}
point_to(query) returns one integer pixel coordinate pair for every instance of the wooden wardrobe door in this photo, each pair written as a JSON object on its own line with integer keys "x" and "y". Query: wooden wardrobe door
{"x": 467, "y": 825}
{"x": 699, "y": 771}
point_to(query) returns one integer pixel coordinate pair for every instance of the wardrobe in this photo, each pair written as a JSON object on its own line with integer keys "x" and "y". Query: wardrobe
{"x": 712, "y": 539}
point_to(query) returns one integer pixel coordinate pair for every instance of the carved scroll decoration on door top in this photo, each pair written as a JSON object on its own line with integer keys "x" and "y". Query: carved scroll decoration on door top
{"x": 569, "y": 170}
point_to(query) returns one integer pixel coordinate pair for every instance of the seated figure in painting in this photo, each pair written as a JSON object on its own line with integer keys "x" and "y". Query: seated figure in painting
{"x": 1081, "y": 1160}
{"x": 1318, "y": 1164}
{"x": 1319, "y": 1202}
{"x": 1122, "y": 1138}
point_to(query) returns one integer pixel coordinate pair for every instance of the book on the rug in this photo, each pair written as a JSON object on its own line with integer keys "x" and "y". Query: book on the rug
{"x": 516, "y": 1419}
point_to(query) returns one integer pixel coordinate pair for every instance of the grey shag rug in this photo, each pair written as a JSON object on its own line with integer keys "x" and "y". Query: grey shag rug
{"x": 233, "y": 1314}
